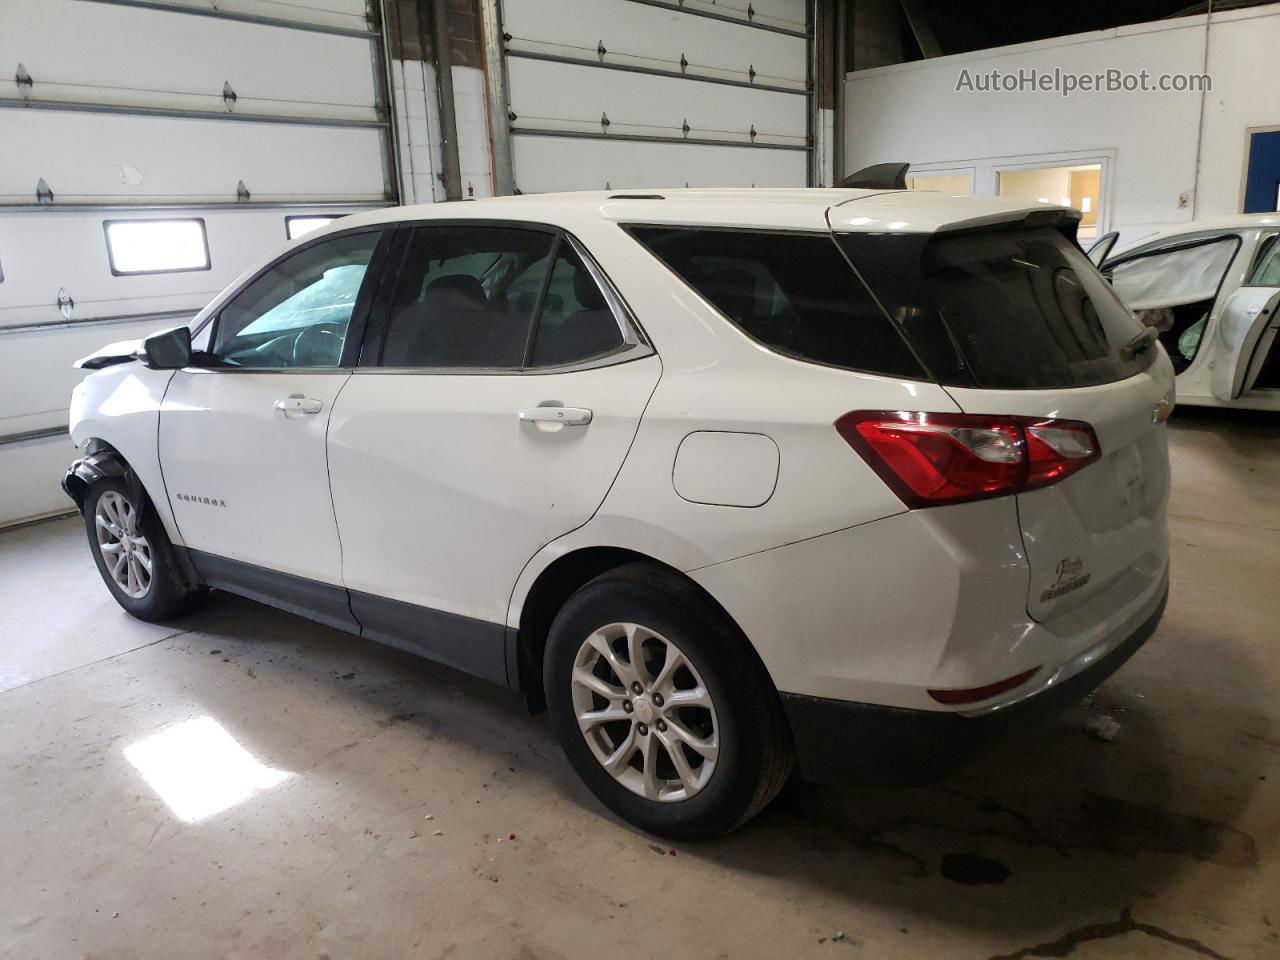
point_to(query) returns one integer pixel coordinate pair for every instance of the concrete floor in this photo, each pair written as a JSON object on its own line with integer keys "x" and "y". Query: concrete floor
{"x": 383, "y": 791}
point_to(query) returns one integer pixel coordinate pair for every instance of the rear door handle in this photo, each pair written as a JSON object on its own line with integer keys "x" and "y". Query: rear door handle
{"x": 569, "y": 416}
{"x": 296, "y": 404}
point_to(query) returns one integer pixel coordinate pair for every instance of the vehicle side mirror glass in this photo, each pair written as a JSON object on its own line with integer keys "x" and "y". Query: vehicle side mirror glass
{"x": 170, "y": 350}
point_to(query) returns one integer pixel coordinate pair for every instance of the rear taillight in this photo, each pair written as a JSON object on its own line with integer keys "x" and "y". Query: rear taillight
{"x": 929, "y": 459}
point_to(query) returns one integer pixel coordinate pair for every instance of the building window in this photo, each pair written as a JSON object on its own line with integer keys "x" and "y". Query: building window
{"x": 295, "y": 227}
{"x": 156, "y": 246}
{"x": 1072, "y": 185}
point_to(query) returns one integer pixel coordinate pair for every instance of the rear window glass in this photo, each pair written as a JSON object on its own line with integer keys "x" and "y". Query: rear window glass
{"x": 794, "y": 293}
{"x": 1006, "y": 309}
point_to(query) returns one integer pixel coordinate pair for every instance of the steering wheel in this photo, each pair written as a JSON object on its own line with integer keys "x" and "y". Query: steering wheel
{"x": 319, "y": 345}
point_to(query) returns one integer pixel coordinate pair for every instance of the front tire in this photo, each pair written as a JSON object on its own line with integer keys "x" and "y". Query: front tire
{"x": 661, "y": 707}
{"x": 134, "y": 555}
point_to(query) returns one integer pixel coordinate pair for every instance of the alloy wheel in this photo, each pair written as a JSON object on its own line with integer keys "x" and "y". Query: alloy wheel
{"x": 126, "y": 551}
{"x": 645, "y": 712}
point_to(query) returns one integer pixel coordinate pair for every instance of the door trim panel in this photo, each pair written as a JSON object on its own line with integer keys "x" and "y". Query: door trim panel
{"x": 474, "y": 646}
{"x": 323, "y": 602}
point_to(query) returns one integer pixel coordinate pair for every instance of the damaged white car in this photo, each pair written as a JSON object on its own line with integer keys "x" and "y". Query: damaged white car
{"x": 1211, "y": 288}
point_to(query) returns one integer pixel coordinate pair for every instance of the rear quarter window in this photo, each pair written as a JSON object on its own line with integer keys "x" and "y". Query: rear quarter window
{"x": 794, "y": 293}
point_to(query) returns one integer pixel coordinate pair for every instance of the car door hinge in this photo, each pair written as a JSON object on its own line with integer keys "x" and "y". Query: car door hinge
{"x": 66, "y": 305}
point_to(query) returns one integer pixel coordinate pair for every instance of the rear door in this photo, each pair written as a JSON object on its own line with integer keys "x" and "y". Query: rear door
{"x": 1247, "y": 330}
{"x": 494, "y": 405}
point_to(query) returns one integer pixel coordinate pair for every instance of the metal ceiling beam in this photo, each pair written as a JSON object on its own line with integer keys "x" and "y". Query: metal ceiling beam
{"x": 918, "y": 20}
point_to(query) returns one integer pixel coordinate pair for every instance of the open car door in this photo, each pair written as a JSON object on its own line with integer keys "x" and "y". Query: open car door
{"x": 1101, "y": 247}
{"x": 1246, "y": 333}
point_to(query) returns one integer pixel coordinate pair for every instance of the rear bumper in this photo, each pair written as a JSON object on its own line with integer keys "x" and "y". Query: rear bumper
{"x": 841, "y": 742}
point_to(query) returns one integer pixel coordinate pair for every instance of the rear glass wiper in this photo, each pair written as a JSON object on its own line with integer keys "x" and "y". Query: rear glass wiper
{"x": 1140, "y": 344}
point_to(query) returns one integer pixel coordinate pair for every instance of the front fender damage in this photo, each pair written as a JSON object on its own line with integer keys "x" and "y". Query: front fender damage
{"x": 100, "y": 461}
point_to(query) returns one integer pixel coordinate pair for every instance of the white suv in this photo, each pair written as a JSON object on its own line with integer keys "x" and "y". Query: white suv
{"x": 738, "y": 480}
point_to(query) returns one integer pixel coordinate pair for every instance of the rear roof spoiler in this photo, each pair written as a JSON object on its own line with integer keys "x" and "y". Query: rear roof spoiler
{"x": 878, "y": 176}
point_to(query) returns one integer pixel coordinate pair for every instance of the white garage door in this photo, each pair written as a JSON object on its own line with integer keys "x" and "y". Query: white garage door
{"x": 231, "y": 115}
{"x": 647, "y": 93}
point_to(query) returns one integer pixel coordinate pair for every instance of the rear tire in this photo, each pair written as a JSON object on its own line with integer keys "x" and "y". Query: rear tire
{"x": 661, "y": 707}
{"x": 135, "y": 557}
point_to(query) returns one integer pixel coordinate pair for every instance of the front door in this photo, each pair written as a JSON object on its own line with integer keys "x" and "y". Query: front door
{"x": 1247, "y": 331}
{"x": 491, "y": 414}
{"x": 242, "y": 431}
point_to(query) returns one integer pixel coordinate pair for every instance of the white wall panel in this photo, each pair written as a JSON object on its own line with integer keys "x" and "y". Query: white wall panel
{"x": 120, "y": 57}
{"x": 912, "y": 112}
{"x": 43, "y": 250}
{"x": 571, "y": 98}
{"x": 787, "y": 14}
{"x": 562, "y": 96}
{"x": 36, "y": 373}
{"x": 130, "y": 56}
{"x": 472, "y": 118}
{"x": 651, "y": 36}
{"x": 546, "y": 164}
{"x": 32, "y": 471}
{"x": 342, "y": 14}
{"x": 81, "y": 156}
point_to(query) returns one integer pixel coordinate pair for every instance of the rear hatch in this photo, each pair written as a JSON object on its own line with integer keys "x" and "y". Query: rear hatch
{"x": 1014, "y": 321}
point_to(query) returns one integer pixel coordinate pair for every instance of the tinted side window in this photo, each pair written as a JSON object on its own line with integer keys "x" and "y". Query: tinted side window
{"x": 297, "y": 313}
{"x": 1189, "y": 273}
{"x": 1266, "y": 273}
{"x": 455, "y": 305}
{"x": 576, "y": 323}
{"x": 1173, "y": 291}
{"x": 793, "y": 292}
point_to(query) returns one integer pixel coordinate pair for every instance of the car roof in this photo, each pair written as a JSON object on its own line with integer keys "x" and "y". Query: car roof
{"x": 870, "y": 211}
{"x": 1234, "y": 222}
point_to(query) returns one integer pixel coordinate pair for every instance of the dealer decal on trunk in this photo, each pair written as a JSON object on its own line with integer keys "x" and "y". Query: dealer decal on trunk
{"x": 1070, "y": 577}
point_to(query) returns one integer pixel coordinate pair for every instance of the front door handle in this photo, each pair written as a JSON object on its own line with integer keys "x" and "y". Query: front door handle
{"x": 569, "y": 416}
{"x": 296, "y": 405}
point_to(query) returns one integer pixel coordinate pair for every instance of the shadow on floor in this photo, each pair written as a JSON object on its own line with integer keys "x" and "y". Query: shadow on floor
{"x": 1044, "y": 833}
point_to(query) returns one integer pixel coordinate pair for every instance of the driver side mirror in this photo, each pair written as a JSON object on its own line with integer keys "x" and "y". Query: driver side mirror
{"x": 170, "y": 350}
